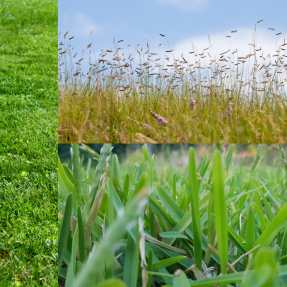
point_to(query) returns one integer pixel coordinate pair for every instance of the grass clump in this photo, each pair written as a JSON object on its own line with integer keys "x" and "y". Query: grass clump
{"x": 28, "y": 128}
{"x": 199, "y": 98}
{"x": 152, "y": 225}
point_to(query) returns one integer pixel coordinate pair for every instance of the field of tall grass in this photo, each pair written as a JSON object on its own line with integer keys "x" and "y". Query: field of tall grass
{"x": 198, "y": 98}
{"x": 146, "y": 224}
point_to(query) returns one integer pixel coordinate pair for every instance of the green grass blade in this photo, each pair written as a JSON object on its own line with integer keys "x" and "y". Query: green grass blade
{"x": 110, "y": 266}
{"x": 195, "y": 215}
{"x": 149, "y": 267}
{"x": 174, "y": 187}
{"x": 167, "y": 262}
{"x": 131, "y": 261}
{"x": 68, "y": 173}
{"x": 146, "y": 156}
{"x": 257, "y": 159}
{"x": 284, "y": 245}
{"x": 94, "y": 154}
{"x": 236, "y": 239}
{"x": 101, "y": 167}
{"x": 211, "y": 227}
{"x": 151, "y": 222}
{"x": 272, "y": 229}
{"x": 141, "y": 184}
{"x": 115, "y": 168}
{"x": 64, "y": 231}
{"x": 220, "y": 211}
{"x": 65, "y": 184}
{"x": 150, "y": 175}
{"x": 181, "y": 226}
{"x": 228, "y": 158}
{"x": 111, "y": 204}
{"x": 250, "y": 234}
{"x": 173, "y": 234}
{"x": 266, "y": 203}
{"x": 73, "y": 262}
{"x": 175, "y": 211}
{"x": 77, "y": 171}
{"x": 161, "y": 211}
{"x": 126, "y": 187}
{"x": 81, "y": 235}
{"x": 180, "y": 279}
{"x": 260, "y": 216}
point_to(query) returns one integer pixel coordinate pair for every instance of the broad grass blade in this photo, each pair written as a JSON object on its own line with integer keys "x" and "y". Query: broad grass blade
{"x": 66, "y": 185}
{"x": 77, "y": 173}
{"x": 180, "y": 279}
{"x": 64, "y": 231}
{"x": 131, "y": 261}
{"x": 228, "y": 158}
{"x": 195, "y": 209}
{"x": 81, "y": 235}
{"x": 220, "y": 211}
{"x": 149, "y": 267}
{"x": 272, "y": 229}
{"x": 250, "y": 234}
{"x": 167, "y": 262}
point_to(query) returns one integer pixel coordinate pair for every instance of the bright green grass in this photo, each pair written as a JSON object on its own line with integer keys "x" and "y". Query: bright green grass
{"x": 28, "y": 132}
{"x": 231, "y": 208}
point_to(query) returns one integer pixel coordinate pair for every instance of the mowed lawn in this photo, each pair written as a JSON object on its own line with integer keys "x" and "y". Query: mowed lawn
{"x": 28, "y": 146}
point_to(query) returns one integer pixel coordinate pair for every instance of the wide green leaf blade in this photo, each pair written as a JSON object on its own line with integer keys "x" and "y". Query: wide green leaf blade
{"x": 180, "y": 279}
{"x": 220, "y": 211}
{"x": 65, "y": 230}
{"x": 228, "y": 158}
{"x": 272, "y": 229}
{"x": 81, "y": 235}
{"x": 195, "y": 215}
{"x": 173, "y": 234}
{"x": 167, "y": 262}
{"x": 131, "y": 261}
{"x": 250, "y": 234}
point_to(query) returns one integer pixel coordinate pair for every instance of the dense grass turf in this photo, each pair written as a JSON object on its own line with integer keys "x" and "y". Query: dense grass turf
{"x": 28, "y": 129}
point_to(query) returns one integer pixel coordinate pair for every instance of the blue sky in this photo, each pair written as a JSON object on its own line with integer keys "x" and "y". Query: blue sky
{"x": 182, "y": 22}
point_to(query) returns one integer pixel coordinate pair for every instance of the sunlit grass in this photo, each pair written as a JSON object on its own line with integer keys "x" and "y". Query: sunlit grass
{"x": 28, "y": 129}
{"x": 200, "y": 98}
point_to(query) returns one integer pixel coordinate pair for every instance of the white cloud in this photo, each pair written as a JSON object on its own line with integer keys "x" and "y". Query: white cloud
{"x": 239, "y": 40}
{"x": 264, "y": 40}
{"x": 80, "y": 24}
{"x": 191, "y": 5}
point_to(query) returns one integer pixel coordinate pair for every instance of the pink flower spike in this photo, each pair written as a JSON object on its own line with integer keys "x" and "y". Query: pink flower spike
{"x": 160, "y": 120}
{"x": 192, "y": 104}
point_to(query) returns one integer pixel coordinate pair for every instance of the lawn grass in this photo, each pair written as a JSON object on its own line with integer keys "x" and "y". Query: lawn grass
{"x": 28, "y": 129}
{"x": 198, "y": 98}
{"x": 140, "y": 219}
